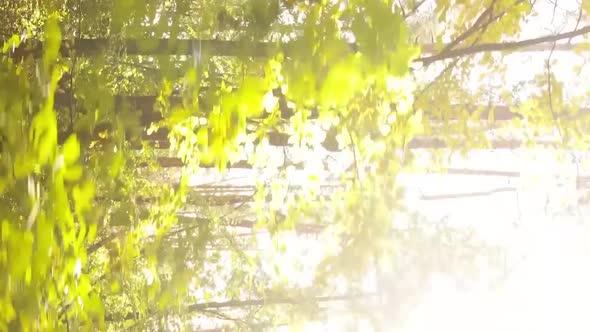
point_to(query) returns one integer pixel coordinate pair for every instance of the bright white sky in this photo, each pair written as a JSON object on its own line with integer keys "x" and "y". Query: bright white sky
{"x": 548, "y": 287}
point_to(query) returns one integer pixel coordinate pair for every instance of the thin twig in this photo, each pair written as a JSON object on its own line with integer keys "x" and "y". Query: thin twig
{"x": 353, "y": 147}
{"x": 550, "y": 96}
{"x": 577, "y": 23}
{"x": 415, "y": 9}
{"x": 554, "y": 10}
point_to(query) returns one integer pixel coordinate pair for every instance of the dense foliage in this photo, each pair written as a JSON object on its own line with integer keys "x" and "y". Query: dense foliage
{"x": 102, "y": 225}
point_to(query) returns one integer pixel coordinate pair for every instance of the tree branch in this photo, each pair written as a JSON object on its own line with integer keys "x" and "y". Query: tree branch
{"x": 91, "y": 47}
{"x": 274, "y": 301}
{"x": 550, "y": 97}
{"x": 101, "y": 243}
{"x": 466, "y": 195}
{"x": 498, "y": 47}
{"x": 198, "y": 307}
{"x": 476, "y": 26}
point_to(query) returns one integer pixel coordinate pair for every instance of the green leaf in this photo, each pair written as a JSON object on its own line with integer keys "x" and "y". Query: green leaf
{"x": 43, "y": 134}
{"x": 71, "y": 150}
{"x": 83, "y": 196}
{"x": 73, "y": 173}
{"x": 23, "y": 165}
{"x": 203, "y": 136}
{"x": 11, "y": 43}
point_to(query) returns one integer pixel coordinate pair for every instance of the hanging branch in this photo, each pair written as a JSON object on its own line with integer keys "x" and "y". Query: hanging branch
{"x": 577, "y": 23}
{"x": 506, "y": 46}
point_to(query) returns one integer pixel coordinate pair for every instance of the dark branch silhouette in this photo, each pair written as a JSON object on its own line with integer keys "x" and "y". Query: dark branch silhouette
{"x": 466, "y": 195}
{"x": 477, "y": 25}
{"x": 235, "y": 304}
{"x": 505, "y": 46}
{"x": 90, "y": 47}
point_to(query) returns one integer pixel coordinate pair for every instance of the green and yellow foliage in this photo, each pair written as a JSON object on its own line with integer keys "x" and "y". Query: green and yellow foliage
{"x": 91, "y": 234}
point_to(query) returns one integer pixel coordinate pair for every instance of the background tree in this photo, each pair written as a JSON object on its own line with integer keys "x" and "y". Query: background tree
{"x": 114, "y": 113}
